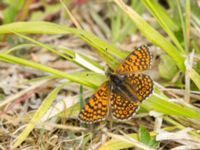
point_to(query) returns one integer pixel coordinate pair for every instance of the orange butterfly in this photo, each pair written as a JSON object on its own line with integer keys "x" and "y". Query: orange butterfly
{"x": 126, "y": 88}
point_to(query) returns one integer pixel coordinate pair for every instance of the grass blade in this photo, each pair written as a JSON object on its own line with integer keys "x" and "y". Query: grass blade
{"x": 160, "y": 104}
{"x": 37, "y": 116}
{"x": 162, "y": 18}
{"x": 195, "y": 77}
{"x": 152, "y": 35}
{"x": 187, "y": 24}
{"x": 102, "y": 47}
{"x": 80, "y": 60}
{"x": 74, "y": 78}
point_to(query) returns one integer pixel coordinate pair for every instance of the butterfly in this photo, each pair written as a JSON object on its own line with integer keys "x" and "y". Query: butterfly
{"x": 124, "y": 90}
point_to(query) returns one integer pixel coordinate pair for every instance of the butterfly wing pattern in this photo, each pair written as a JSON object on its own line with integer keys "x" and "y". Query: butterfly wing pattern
{"x": 127, "y": 76}
{"x": 96, "y": 109}
{"x": 122, "y": 108}
{"x": 140, "y": 84}
{"x": 138, "y": 60}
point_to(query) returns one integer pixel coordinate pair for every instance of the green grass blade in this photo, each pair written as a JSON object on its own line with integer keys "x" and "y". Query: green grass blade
{"x": 161, "y": 104}
{"x": 37, "y": 116}
{"x": 195, "y": 77}
{"x": 44, "y": 46}
{"x": 152, "y": 35}
{"x": 116, "y": 26}
{"x": 100, "y": 22}
{"x": 187, "y": 24}
{"x": 11, "y": 11}
{"x": 178, "y": 4}
{"x": 18, "y": 47}
{"x": 162, "y": 18}
{"x": 102, "y": 47}
{"x": 118, "y": 144}
{"x": 38, "y": 79}
{"x": 166, "y": 17}
{"x": 74, "y": 78}
{"x": 76, "y": 58}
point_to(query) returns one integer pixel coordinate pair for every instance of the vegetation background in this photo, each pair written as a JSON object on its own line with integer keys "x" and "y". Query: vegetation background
{"x": 53, "y": 56}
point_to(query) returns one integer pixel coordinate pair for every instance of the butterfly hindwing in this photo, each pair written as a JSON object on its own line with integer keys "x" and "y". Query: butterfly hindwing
{"x": 96, "y": 108}
{"x": 141, "y": 85}
{"x": 122, "y": 107}
{"x": 138, "y": 60}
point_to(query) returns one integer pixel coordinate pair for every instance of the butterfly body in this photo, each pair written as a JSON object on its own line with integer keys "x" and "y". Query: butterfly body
{"x": 117, "y": 82}
{"x": 124, "y": 90}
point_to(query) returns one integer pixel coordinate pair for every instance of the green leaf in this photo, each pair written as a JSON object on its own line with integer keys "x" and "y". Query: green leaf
{"x": 144, "y": 137}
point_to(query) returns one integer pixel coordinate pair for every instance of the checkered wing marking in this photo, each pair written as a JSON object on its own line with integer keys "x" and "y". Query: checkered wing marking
{"x": 138, "y": 60}
{"x": 140, "y": 84}
{"x": 96, "y": 108}
{"x": 122, "y": 108}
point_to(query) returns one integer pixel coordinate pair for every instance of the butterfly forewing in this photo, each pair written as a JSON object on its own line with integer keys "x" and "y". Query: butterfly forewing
{"x": 138, "y": 60}
{"x": 122, "y": 107}
{"x": 96, "y": 108}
